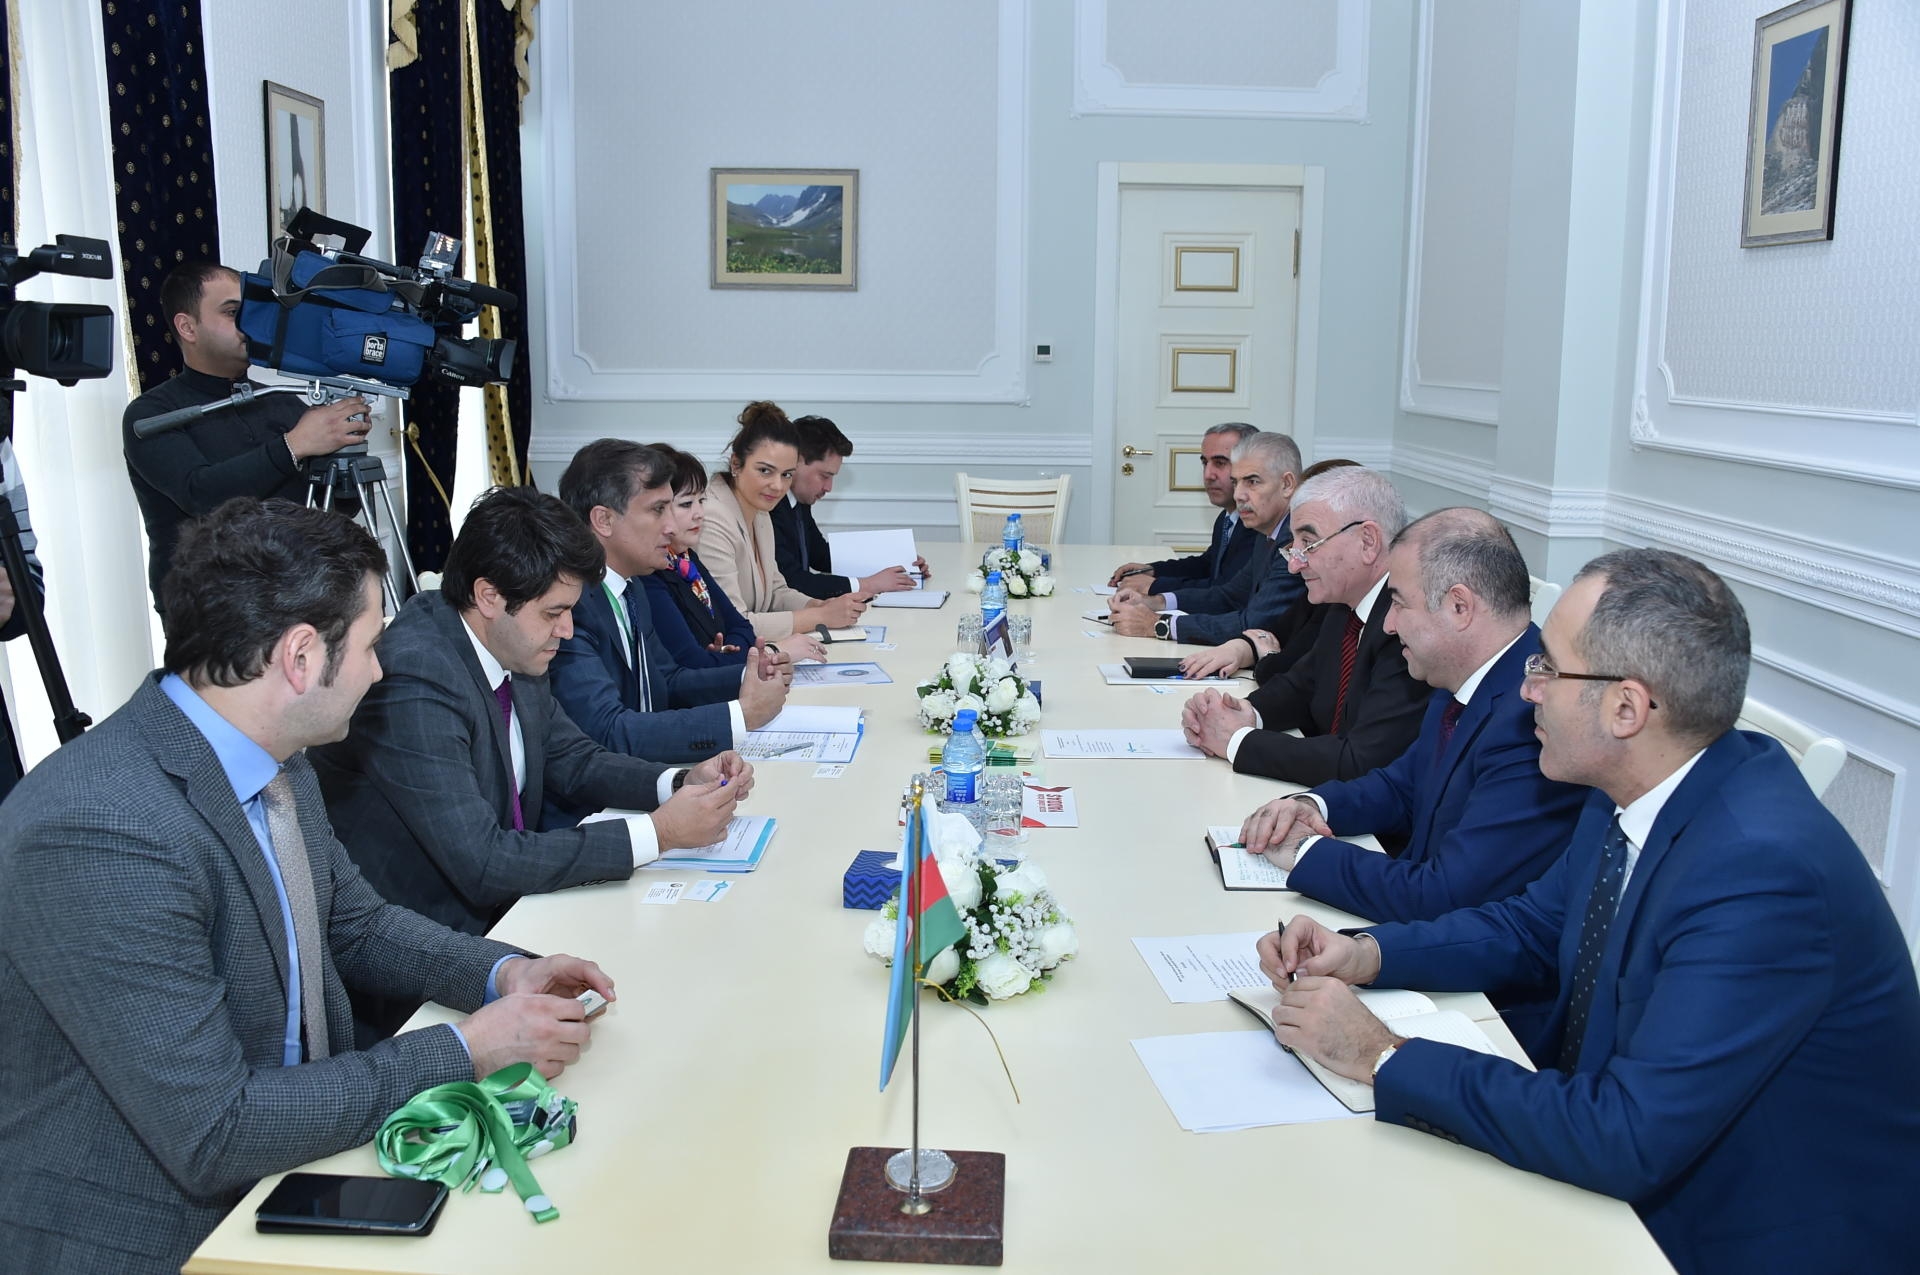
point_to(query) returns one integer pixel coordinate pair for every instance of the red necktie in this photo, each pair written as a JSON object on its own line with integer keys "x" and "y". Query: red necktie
{"x": 1449, "y": 718}
{"x": 504, "y": 693}
{"x": 1349, "y": 652}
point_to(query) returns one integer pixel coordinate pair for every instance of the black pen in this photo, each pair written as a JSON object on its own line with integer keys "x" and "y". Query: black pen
{"x": 1281, "y": 928}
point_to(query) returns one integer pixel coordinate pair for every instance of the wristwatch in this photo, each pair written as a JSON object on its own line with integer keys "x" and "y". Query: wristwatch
{"x": 1163, "y": 628}
{"x": 1381, "y": 1061}
{"x": 679, "y": 781}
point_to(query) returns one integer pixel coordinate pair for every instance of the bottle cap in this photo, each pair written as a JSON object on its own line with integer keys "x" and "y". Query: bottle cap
{"x": 963, "y": 721}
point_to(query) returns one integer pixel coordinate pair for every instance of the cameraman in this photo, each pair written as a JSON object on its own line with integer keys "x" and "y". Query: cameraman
{"x": 249, "y": 449}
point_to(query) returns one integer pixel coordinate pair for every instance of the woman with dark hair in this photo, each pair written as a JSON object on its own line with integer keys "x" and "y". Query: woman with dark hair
{"x": 692, "y": 614}
{"x": 739, "y": 539}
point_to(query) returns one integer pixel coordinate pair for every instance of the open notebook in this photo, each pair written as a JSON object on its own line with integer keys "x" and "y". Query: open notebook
{"x": 1409, "y": 1014}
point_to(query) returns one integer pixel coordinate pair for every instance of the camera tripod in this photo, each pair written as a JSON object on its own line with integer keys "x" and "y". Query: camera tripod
{"x": 352, "y": 472}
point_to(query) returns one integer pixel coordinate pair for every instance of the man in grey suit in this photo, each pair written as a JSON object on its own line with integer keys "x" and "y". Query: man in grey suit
{"x": 179, "y": 930}
{"x": 614, "y": 677}
{"x": 437, "y": 789}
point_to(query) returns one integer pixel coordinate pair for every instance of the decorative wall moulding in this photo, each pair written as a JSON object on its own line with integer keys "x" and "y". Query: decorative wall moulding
{"x": 1099, "y": 88}
{"x": 1206, "y": 268}
{"x": 1879, "y": 448}
{"x": 1453, "y": 400}
{"x": 1049, "y": 451}
{"x": 999, "y": 376}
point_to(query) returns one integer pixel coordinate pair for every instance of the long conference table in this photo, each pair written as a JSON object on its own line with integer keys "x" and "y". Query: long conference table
{"x": 722, "y": 1092}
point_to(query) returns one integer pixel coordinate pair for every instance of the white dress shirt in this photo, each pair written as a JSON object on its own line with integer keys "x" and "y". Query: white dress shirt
{"x": 616, "y": 586}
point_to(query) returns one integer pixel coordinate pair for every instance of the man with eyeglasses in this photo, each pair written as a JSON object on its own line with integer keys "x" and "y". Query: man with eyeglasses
{"x": 1349, "y": 695}
{"x": 1266, "y": 473}
{"x": 1735, "y": 1025}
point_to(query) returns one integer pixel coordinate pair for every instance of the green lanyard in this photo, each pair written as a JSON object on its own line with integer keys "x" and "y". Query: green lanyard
{"x": 620, "y": 613}
{"x": 456, "y": 1133}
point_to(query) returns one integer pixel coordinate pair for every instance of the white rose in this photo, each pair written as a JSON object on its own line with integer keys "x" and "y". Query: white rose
{"x": 937, "y": 705}
{"x": 1003, "y": 695}
{"x": 1056, "y": 943}
{"x": 1001, "y": 976}
{"x": 962, "y": 876}
{"x": 881, "y": 932}
{"x": 941, "y": 969}
{"x": 1029, "y": 561}
{"x": 995, "y": 667}
{"x": 1016, "y": 586}
{"x": 960, "y": 670}
{"x": 1026, "y": 708}
{"x": 995, "y": 560}
{"x": 1043, "y": 586}
{"x": 973, "y": 702}
{"x": 1027, "y": 881}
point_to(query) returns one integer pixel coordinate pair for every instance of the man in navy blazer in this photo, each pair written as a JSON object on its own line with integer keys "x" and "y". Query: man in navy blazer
{"x": 1232, "y": 540}
{"x": 1736, "y": 1017}
{"x": 1260, "y": 595}
{"x": 1478, "y": 818}
{"x": 613, "y": 676}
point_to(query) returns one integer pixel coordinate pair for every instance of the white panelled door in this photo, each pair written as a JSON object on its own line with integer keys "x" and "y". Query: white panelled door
{"x": 1205, "y": 333}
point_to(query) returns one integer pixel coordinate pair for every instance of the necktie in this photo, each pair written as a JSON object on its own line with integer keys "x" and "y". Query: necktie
{"x": 1602, "y": 904}
{"x": 1349, "y": 652}
{"x": 1449, "y": 718}
{"x": 504, "y": 693}
{"x": 800, "y": 524}
{"x": 296, "y": 874}
{"x": 641, "y": 669}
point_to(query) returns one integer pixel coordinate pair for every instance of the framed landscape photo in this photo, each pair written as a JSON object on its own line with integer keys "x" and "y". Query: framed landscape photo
{"x": 296, "y": 156}
{"x": 785, "y": 227}
{"x": 1793, "y": 131}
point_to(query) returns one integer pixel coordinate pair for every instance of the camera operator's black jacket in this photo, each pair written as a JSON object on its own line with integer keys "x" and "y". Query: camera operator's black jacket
{"x": 187, "y": 472}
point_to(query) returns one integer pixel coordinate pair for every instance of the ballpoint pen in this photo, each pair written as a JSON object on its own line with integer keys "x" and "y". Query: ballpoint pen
{"x": 782, "y": 752}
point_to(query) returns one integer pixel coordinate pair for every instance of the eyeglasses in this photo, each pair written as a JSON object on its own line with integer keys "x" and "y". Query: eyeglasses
{"x": 1537, "y": 666}
{"x": 1305, "y": 551}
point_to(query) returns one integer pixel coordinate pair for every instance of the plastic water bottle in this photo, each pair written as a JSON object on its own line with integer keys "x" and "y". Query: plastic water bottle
{"x": 1015, "y": 535}
{"x": 993, "y": 600}
{"x": 964, "y": 757}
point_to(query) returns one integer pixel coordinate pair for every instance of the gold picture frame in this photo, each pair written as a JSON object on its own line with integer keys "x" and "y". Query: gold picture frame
{"x": 296, "y": 154}
{"x": 784, "y": 228}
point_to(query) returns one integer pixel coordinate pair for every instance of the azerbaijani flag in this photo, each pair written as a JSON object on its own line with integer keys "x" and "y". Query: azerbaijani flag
{"x": 929, "y": 923}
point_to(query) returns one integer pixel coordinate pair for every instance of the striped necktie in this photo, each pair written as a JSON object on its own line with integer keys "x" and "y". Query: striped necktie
{"x": 1349, "y": 653}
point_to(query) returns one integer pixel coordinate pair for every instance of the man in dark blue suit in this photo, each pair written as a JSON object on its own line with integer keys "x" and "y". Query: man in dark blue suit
{"x": 613, "y": 676}
{"x": 1478, "y": 819}
{"x": 1736, "y": 1018}
{"x": 1262, "y": 593}
{"x": 1232, "y": 540}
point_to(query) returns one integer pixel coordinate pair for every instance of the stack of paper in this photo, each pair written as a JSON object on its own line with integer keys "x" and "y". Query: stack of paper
{"x": 1220, "y": 1081}
{"x": 739, "y": 851}
{"x": 807, "y": 733}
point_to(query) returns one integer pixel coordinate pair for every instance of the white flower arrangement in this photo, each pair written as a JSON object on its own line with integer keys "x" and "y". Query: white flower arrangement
{"x": 1023, "y": 573}
{"x": 988, "y": 685}
{"x": 1017, "y": 936}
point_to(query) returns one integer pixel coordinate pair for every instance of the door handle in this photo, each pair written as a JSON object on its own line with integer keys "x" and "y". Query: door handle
{"x": 1131, "y": 450}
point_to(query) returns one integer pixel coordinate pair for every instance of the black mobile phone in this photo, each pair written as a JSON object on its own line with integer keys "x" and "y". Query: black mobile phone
{"x": 335, "y": 1204}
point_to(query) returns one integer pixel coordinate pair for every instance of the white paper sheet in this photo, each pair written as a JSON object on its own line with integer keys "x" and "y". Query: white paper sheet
{"x": 1219, "y": 1081}
{"x": 861, "y": 553}
{"x": 1202, "y": 967}
{"x": 1049, "y": 807}
{"x": 849, "y": 674}
{"x": 1118, "y": 743}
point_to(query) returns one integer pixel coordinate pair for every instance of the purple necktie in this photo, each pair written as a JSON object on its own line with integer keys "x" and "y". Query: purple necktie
{"x": 1449, "y": 718}
{"x": 504, "y": 693}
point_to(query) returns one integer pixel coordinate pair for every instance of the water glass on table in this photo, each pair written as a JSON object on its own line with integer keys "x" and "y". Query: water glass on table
{"x": 967, "y": 638}
{"x": 1005, "y": 802}
{"x": 1021, "y": 627}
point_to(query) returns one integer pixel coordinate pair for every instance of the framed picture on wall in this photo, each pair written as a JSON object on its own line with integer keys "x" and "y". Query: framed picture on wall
{"x": 784, "y": 227}
{"x": 296, "y": 156}
{"x": 1793, "y": 130}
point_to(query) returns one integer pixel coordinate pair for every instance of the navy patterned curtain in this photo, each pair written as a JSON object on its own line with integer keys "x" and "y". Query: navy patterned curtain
{"x": 427, "y": 195}
{"x": 9, "y": 223}
{"x": 162, "y": 162}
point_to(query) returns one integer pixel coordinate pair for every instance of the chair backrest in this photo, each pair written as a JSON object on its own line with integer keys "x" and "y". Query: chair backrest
{"x": 1819, "y": 757}
{"x": 986, "y": 502}
{"x": 1545, "y": 594}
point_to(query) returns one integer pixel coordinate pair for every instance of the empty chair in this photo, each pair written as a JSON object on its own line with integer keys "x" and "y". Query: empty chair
{"x": 986, "y": 502}
{"x": 1545, "y": 593}
{"x": 1820, "y": 757}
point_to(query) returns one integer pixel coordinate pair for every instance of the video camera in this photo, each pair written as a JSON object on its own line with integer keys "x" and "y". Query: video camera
{"x": 320, "y": 311}
{"x": 66, "y": 342}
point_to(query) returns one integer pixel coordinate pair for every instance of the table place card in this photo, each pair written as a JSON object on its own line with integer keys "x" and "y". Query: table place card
{"x": 665, "y": 892}
{"x": 830, "y": 770}
{"x": 708, "y": 891}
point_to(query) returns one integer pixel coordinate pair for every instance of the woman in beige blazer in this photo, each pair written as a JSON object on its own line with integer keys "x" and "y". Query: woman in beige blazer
{"x": 737, "y": 544}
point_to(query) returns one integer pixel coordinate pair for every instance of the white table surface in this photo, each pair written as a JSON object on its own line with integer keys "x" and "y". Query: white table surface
{"x": 722, "y": 1092}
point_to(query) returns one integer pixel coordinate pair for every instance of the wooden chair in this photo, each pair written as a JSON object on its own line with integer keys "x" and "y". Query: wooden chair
{"x": 986, "y": 502}
{"x": 1545, "y": 594}
{"x": 1819, "y": 757}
